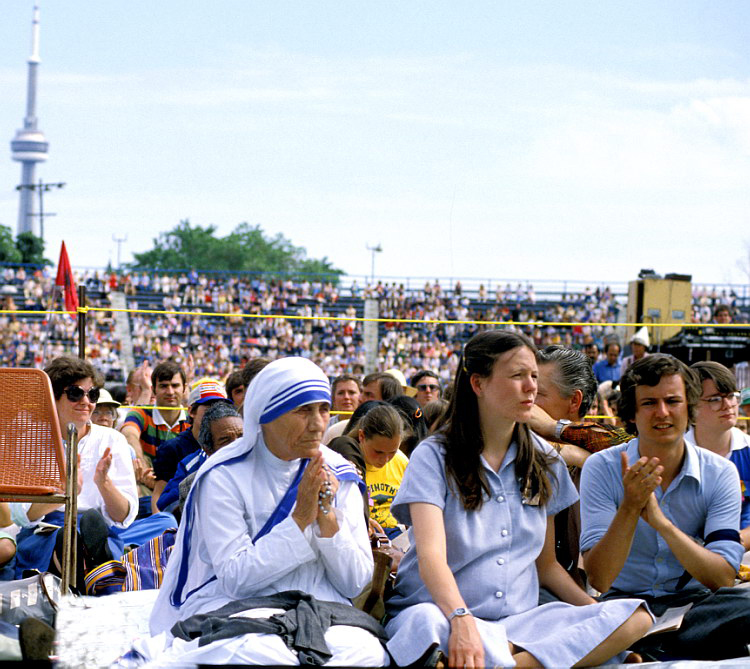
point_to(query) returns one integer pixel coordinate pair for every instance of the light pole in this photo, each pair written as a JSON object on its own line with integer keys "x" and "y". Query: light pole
{"x": 119, "y": 241}
{"x": 373, "y": 249}
{"x": 41, "y": 188}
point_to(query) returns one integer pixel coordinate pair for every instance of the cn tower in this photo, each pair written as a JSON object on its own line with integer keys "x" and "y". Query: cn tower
{"x": 29, "y": 146}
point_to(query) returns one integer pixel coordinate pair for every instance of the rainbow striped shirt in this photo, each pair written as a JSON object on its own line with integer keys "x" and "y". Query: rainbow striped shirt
{"x": 154, "y": 429}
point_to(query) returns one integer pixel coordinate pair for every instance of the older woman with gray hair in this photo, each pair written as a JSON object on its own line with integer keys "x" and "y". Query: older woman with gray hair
{"x": 273, "y": 523}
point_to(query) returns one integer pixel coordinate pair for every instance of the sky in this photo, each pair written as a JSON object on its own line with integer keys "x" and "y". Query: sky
{"x": 536, "y": 140}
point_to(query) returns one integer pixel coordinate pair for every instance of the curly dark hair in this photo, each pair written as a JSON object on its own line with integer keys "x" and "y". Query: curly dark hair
{"x": 462, "y": 433}
{"x": 65, "y": 370}
{"x": 649, "y": 371}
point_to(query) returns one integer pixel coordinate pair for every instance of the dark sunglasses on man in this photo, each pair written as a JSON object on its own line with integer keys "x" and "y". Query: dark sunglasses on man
{"x": 428, "y": 386}
{"x": 76, "y": 393}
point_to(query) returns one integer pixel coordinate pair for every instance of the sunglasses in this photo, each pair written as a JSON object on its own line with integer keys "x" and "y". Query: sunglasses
{"x": 76, "y": 394}
{"x": 428, "y": 386}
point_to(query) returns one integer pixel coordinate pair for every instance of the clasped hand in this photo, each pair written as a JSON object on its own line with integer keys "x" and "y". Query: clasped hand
{"x": 315, "y": 494}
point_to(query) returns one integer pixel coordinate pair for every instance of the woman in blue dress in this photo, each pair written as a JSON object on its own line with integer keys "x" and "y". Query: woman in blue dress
{"x": 477, "y": 497}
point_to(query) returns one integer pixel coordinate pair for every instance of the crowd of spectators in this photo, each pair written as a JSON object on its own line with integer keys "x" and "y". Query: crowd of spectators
{"x": 209, "y": 322}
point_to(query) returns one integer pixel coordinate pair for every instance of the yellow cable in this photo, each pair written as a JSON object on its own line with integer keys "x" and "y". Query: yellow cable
{"x": 379, "y": 320}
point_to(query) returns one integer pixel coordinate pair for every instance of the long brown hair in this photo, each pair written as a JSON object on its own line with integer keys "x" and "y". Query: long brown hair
{"x": 462, "y": 433}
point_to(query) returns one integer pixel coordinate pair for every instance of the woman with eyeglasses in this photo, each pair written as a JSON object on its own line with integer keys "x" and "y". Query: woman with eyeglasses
{"x": 107, "y": 493}
{"x": 477, "y": 496}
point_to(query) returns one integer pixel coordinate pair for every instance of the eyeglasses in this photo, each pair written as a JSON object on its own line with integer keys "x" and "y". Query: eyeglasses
{"x": 715, "y": 401}
{"x": 76, "y": 394}
{"x": 428, "y": 386}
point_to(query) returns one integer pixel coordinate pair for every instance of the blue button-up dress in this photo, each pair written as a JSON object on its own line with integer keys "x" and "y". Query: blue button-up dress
{"x": 492, "y": 554}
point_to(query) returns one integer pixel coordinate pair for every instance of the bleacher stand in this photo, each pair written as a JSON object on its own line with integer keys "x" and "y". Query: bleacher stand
{"x": 220, "y": 343}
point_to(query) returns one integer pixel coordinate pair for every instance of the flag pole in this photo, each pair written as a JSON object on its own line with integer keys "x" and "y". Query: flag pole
{"x": 82, "y": 323}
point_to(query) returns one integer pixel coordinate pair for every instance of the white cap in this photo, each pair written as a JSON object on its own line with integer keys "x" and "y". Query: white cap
{"x": 641, "y": 337}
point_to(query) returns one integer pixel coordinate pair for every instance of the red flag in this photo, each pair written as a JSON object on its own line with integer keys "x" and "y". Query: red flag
{"x": 65, "y": 279}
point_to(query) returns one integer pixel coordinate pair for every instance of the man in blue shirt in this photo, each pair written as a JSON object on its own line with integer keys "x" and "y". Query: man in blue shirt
{"x": 660, "y": 519}
{"x": 609, "y": 368}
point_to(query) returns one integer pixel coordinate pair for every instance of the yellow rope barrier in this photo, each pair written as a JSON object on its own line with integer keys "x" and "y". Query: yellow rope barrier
{"x": 359, "y": 319}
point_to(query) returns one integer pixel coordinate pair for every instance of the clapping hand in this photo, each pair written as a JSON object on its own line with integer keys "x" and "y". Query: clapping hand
{"x": 101, "y": 473}
{"x": 639, "y": 481}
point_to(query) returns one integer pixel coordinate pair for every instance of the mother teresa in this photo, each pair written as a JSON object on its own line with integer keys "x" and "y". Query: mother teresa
{"x": 274, "y": 511}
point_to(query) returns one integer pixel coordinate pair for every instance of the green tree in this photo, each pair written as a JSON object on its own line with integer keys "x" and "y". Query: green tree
{"x": 246, "y": 248}
{"x": 8, "y": 250}
{"x": 31, "y": 249}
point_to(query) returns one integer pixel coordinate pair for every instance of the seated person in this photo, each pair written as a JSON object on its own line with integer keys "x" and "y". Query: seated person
{"x": 478, "y": 497}
{"x": 377, "y": 437}
{"x": 220, "y": 426}
{"x": 661, "y": 518}
{"x": 203, "y": 394}
{"x": 566, "y": 389}
{"x": 146, "y": 429}
{"x": 105, "y": 413}
{"x": 272, "y": 513}
{"x": 716, "y": 429}
{"x": 106, "y": 478}
{"x": 107, "y": 498}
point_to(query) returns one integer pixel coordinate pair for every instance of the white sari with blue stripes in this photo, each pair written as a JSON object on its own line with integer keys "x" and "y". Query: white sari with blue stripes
{"x": 218, "y": 555}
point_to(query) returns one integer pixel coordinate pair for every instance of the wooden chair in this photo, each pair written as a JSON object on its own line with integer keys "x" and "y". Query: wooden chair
{"x": 33, "y": 465}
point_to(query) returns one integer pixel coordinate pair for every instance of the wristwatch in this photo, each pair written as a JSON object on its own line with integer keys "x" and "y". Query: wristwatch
{"x": 561, "y": 425}
{"x": 460, "y": 612}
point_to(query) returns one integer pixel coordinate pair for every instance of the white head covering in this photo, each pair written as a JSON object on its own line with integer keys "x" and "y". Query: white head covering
{"x": 641, "y": 337}
{"x": 280, "y": 387}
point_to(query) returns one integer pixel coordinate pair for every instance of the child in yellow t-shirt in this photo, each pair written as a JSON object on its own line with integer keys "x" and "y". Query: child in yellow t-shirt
{"x": 379, "y": 435}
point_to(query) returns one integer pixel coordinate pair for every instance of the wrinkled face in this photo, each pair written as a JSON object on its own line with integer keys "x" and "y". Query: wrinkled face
{"x": 428, "y": 389}
{"x": 297, "y": 433}
{"x": 661, "y": 412}
{"x": 379, "y": 449}
{"x": 510, "y": 390}
{"x": 169, "y": 392}
{"x": 346, "y": 396}
{"x": 104, "y": 415}
{"x": 548, "y": 397}
{"x": 613, "y": 352}
{"x": 78, "y": 413}
{"x": 717, "y": 411}
{"x": 226, "y": 430}
{"x": 371, "y": 392}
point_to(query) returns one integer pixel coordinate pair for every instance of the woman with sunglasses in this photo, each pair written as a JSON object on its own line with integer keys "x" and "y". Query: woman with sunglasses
{"x": 477, "y": 496}
{"x": 107, "y": 496}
